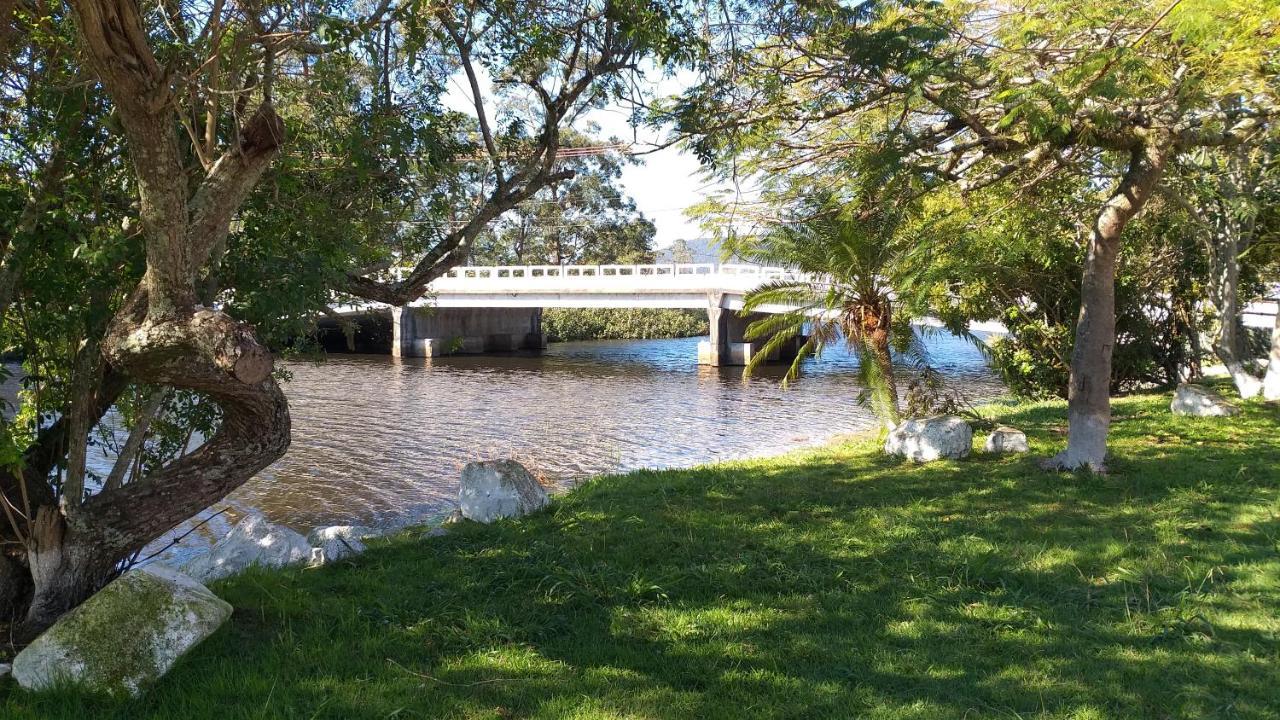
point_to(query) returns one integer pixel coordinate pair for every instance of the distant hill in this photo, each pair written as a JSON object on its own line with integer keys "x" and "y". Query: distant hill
{"x": 698, "y": 250}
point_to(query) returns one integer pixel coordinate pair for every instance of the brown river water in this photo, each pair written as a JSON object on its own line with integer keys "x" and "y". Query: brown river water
{"x": 380, "y": 441}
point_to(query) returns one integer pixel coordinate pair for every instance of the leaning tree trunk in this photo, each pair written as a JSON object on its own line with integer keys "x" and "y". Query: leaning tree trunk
{"x": 75, "y": 548}
{"x": 1089, "y": 393}
{"x": 162, "y": 336}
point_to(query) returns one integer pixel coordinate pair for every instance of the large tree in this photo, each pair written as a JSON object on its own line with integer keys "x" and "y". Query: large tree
{"x": 1230, "y": 195}
{"x": 137, "y": 237}
{"x": 977, "y": 93}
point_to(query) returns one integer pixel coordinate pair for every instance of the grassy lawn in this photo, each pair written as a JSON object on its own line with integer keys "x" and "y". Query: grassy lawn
{"x": 830, "y": 584}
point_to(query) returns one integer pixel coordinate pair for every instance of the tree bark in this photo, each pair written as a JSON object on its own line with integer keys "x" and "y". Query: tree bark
{"x": 884, "y": 360}
{"x": 876, "y": 319}
{"x": 1089, "y": 397}
{"x": 161, "y": 336}
{"x": 64, "y": 571}
{"x": 1226, "y": 271}
{"x": 1271, "y": 383}
{"x": 71, "y": 554}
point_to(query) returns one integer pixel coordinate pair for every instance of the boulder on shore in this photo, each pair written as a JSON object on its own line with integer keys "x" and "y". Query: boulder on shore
{"x": 336, "y": 542}
{"x": 1200, "y": 401}
{"x": 253, "y": 541}
{"x": 1006, "y": 440}
{"x": 126, "y": 636}
{"x": 928, "y": 439}
{"x": 498, "y": 489}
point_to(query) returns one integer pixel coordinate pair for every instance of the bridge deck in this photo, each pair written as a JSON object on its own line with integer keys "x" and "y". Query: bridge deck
{"x": 674, "y": 285}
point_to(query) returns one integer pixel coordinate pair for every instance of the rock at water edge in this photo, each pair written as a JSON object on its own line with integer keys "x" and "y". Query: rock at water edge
{"x": 499, "y": 489}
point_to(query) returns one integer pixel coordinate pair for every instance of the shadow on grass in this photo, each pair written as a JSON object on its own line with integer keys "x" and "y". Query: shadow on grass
{"x": 838, "y": 584}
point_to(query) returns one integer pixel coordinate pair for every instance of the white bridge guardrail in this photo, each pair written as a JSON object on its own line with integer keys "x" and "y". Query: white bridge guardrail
{"x": 656, "y": 279}
{"x": 610, "y": 278}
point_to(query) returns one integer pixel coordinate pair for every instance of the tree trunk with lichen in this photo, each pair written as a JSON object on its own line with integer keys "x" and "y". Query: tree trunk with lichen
{"x": 1271, "y": 381}
{"x": 1089, "y": 393}
{"x": 73, "y": 542}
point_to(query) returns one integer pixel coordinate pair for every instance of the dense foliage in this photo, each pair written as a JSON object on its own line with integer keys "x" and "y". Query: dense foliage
{"x": 965, "y": 96}
{"x": 1016, "y": 260}
{"x": 566, "y": 324}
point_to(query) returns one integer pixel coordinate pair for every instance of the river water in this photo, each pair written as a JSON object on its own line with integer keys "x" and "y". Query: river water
{"x": 381, "y": 441}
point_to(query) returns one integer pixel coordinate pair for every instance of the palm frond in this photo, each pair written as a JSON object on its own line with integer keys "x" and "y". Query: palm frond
{"x": 792, "y": 322}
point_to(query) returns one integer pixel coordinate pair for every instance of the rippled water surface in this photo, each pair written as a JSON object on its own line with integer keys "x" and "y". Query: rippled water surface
{"x": 381, "y": 441}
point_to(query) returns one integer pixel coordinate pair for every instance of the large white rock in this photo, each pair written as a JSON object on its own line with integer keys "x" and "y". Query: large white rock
{"x": 927, "y": 439}
{"x": 253, "y": 541}
{"x": 499, "y": 489}
{"x": 1199, "y": 401}
{"x": 126, "y": 636}
{"x": 1006, "y": 440}
{"x": 336, "y": 542}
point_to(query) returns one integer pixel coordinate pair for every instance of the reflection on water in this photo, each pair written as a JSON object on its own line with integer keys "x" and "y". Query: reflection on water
{"x": 380, "y": 441}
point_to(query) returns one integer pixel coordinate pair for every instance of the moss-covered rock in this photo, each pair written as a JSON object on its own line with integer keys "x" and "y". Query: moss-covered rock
{"x": 126, "y": 636}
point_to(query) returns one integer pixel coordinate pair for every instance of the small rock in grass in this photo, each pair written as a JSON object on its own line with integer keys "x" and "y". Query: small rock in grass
{"x": 336, "y": 542}
{"x": 1006, "y": 440}
{"x": 1200, "y": 401}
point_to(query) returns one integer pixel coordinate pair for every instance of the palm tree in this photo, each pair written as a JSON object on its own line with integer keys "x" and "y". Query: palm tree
{"x": 862, "y": 282}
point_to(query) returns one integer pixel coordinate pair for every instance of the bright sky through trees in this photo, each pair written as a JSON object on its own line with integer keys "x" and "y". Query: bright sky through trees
{"x": 664, "y": 186}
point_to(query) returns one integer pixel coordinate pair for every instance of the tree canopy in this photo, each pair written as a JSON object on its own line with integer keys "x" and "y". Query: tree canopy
{"x": 974, "y": 94}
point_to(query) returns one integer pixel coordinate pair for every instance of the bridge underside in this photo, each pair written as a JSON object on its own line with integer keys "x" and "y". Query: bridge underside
{"x": 476, "y": 323}
{"x": 433, "y": 332}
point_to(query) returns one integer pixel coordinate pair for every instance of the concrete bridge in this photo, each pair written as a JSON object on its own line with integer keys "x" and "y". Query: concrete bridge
{"x": 478, "y": 309}
{"x": 499, "y": 308}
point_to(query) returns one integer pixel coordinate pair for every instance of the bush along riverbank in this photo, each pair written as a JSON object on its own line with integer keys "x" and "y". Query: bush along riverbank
{"x": 568, "y": 324}
{"x": 834, "y": 583}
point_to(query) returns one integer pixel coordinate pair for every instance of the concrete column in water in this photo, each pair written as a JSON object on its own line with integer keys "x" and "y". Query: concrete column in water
{"x": 727, "y": 344}
{"x": 714, "y": 351}
{"x": 402, "y": 332}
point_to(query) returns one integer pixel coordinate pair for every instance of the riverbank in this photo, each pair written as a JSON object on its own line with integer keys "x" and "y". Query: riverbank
{"x": 829, "y": 583}
{"x": 572, "y": 324}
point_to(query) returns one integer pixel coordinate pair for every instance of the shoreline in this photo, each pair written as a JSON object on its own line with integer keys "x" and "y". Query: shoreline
{"x": 800, "y": 585}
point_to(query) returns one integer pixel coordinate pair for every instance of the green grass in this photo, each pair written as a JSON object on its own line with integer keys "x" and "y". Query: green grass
{"x": 831, "y": 584}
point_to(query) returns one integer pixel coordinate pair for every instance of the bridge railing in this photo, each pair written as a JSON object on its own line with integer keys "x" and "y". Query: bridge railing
{"x": 492, "y": 273}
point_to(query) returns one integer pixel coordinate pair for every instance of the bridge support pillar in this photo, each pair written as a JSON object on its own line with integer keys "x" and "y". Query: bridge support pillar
{"x": 432, "y": 332}
{"x": 727, "y": 344}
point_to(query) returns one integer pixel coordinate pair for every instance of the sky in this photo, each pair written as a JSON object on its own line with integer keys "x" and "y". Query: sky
{"x": 667, "y": 181}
